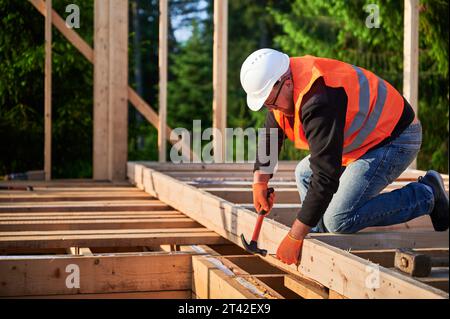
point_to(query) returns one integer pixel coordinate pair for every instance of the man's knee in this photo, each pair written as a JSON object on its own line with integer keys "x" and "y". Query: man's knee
{"x": 338, "y": 224}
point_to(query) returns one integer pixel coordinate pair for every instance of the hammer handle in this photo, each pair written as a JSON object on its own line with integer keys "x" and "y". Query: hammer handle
{"x": 260, "y": 219}
{"x": 257, "y": 227}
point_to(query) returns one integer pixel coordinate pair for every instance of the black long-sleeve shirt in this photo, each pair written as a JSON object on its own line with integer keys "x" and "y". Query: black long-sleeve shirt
{"x": 323, "y": 113}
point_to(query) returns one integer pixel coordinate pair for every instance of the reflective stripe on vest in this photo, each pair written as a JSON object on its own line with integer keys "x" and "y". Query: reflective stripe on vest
{"x": 364, "y": 101}
{"x": 373, "y": 105}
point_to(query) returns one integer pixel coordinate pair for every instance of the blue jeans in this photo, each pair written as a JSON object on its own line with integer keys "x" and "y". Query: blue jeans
{"x": 358, "y": 204}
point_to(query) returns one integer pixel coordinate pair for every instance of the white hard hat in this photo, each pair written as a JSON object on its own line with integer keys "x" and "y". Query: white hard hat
{"x": 259, "y": 72}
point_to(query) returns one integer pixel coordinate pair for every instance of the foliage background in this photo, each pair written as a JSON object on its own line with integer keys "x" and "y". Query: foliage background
{"x": 331, "y": 28}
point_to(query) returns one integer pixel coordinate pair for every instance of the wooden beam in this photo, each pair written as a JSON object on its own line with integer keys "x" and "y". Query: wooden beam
{"x": 220, "y": 59}
{"x": 100, "y": 147}
{"x": 163, "y": 26}
{"x": 305, "y": 288}
{"x": 138, "y": 205}
{"x": 118, "y": 85}
{"x": 56, "y": 216}
{"x": 354, "y": 277}
{"x": 212, "y": 280}
{"x": 167, "y": 294}
{"x": 119, "y": 273}
{"x": 108, "y": 238}
{"x": 385, "y": 240}
{"x": 70, "y": 34}
{"x": 92, "y": 224}
{"x": 48, "y": 92}
{"x": 71, "y": 196}
{"x": 411, "y": 56}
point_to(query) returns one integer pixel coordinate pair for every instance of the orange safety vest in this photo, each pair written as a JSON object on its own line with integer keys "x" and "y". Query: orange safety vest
{"x": 373, "y": 107}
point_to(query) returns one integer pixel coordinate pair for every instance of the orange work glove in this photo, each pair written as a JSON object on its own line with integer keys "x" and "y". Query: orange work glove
{"x": 290, "y": 250}
{"x": 260, "y": 200}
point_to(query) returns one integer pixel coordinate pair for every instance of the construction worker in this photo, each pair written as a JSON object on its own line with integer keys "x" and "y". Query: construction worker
{"x": 361, "y": 133}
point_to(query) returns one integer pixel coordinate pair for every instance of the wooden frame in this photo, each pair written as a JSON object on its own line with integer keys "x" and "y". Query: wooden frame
{"x": 101, "y": 151}
{"x": 220, "y": 57}
{"x": 163, "y": 26}
{"x": 332, "y": 267}
{"x": 48, "y": 92}
{"x": 411, "y": 56}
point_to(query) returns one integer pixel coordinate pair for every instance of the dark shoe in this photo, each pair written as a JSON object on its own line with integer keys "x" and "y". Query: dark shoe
{"x": 440, "y": 214}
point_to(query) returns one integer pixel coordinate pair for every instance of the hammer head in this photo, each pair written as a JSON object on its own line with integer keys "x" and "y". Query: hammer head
{"x": 252, "y": 247}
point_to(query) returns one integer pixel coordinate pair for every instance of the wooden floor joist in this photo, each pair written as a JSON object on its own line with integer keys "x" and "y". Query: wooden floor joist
{"x": 56, "y": 275}
{"x": 202, "y": 218}
{"x": 333, "y": 267}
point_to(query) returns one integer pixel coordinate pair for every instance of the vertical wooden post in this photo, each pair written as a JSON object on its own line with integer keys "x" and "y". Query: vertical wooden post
{"x": 48, "y": 92}
{"x": 162, "y": 125}
{"x": 110, "y": 89}
{"x": 118, "y": 89}
{"x": 220, "y": 77}
{"x": 411, "y": 56}
{"x": 101, "y": 90}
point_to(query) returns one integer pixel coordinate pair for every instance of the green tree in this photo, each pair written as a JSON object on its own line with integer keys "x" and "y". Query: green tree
{"x": 190, "y": 90}
{"x": 22, "y": 99}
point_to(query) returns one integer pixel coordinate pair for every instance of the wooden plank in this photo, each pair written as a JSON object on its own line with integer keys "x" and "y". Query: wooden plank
{"x": 276, "y": 283}
{"x": 210, "y": 280}
{"x": 238, "y": 168}
{"x": 224, "y": 167}
{"x": 83, "y": 206}
{"x": 100, "y": 146}
{"x": 48, "y": 92}
{"x": 386, "y": 257}
{"x": 32, "y": 251}
{"x": 62, "y": 232}
{"x": 75, "y": 184}
{"x": 162, "y": 98}
{"x": 385, "y": 240}
{"x": 354, "y": 277}
{"x": 92, "y": 224}
{"x": 334, "y": 295}
{"x": 272, "y": 277}
{"x": 89, "y": 215}
{"x": 113, "y": 273}
{"x": 220, "y": 59}
{"x": 103, "y": 238}
{"x": 73, "y": 197}
{"x": 411, "y": 56}
{"x": 305, "y": 289}
{"x": 168, "y": 294}
{"x": 250, "y": 265}
{"x": 118, "y": 89}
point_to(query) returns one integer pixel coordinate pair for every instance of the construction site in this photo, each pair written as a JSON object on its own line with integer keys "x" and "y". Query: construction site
{"x": 164, "y": 230}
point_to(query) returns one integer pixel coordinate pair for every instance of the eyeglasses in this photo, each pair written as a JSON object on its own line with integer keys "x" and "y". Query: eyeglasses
{"x": 278, "y": 85}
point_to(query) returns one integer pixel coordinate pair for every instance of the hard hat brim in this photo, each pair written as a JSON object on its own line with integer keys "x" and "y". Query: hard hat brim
{"x": 256, "y": 103}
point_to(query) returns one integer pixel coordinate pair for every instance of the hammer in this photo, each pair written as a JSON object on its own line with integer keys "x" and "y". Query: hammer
{"x": 418, "y": 264}
{"x": 252, "y": 247}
